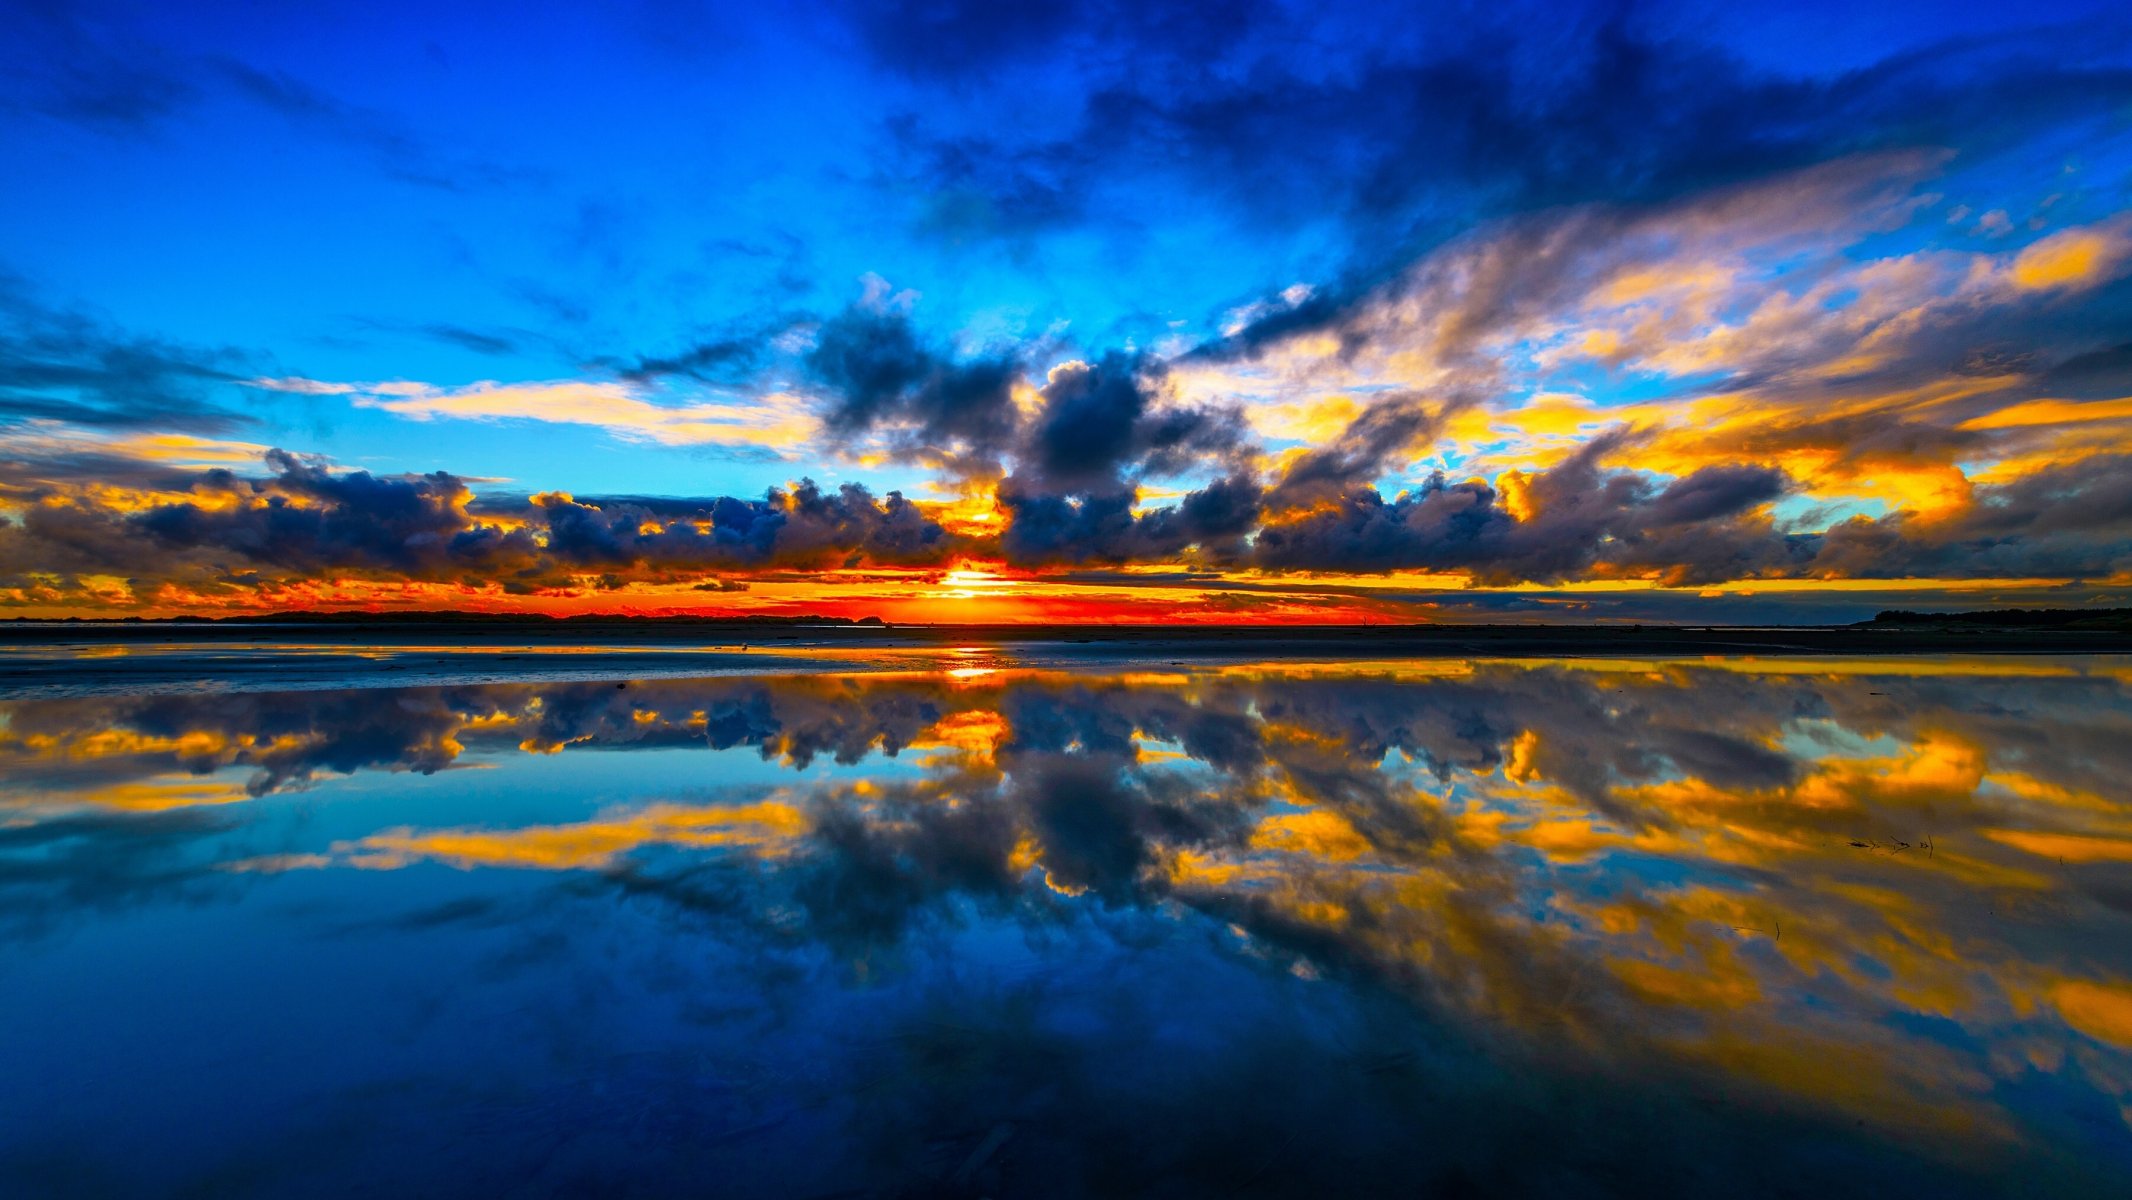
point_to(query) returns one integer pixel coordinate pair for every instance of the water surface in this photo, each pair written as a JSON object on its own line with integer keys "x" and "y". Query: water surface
{"x": 981, "y": 924}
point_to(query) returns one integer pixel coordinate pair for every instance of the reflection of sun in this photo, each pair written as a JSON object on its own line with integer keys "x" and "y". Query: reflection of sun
{"x": 969, "y": 672}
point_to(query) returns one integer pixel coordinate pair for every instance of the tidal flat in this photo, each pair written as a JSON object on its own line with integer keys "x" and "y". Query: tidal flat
{"x": 888, "y": 919}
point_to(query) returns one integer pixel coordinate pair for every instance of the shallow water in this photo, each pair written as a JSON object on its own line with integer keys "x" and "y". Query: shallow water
{"x": 965, "y": 925}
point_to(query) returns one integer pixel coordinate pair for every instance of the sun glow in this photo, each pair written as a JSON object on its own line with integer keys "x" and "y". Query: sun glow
{"x": 968, "y": 582}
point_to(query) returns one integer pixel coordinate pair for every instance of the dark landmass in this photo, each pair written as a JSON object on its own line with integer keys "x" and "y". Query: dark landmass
{"x": 452, "y": 617}
{"x": 2117, "y": 619}
{"x": 2037, "y": 631}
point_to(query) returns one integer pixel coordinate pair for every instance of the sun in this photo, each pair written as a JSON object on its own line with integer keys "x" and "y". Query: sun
{"x": 967, "y": 582}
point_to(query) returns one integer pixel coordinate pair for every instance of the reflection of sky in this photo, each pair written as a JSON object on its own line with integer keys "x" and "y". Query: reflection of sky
{"x": 1223, "y": 928}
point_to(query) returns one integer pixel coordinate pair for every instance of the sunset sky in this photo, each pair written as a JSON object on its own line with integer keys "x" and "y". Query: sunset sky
{"x": 958, "y": 311}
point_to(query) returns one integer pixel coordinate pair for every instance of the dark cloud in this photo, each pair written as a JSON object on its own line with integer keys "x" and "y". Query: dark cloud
{"x": 309, "y": 521}
{"x": 1580, "y": 520}
{"x": 978, "y": 190}
{"x": 1051, "y": 528}
{"x": 985, "y": 186}
{"x": 1090, "y": 423}
{"x": 1047, "y": 529}
{"x": 479, "y": 341}
{"x": 397, "y": 150}
{"x": 1440, "y": 525}
{"x": 78, "y": 64}
{"x": 2104, "y": 373}
{"x": 1576, "y": 517}
{"x": 1105, "y": 423}
{"x": 720, "y": 358}
{"x": 1099, "y": 430}
{"x": 803, "y": 526}
{"x": 880, "y": 374}
{"x": 1390, "y": 432}
{"x": 2069, "y": 521}
{"x": 1408, "y": 131}
{"x": 1715, "y": 492}
{"x": 1491, "y": 279}
{"x": 1096, "y": 430}
{"x": 306, "y": 521}
{"x": 59, "y": 61}
{"x": 60, "y": 467}
{"x": 62, "y": 365}
{"x": 953, "y": 41}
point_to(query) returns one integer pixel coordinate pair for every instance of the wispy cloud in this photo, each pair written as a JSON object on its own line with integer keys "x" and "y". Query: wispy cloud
{"x": 777, "y": 422}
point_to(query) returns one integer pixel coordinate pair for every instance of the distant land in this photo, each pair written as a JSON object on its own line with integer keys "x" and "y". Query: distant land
{"x": 461, "y": 617}
{"x": 2117, "y": 619}
{"x": 2007, "y": 618}
{"x": 2040, "y": 631}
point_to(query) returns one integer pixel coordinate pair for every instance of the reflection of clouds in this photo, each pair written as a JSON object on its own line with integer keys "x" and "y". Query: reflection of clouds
{"x": 1897, "y": 894}
{"x": 74, "y": 746}
{"x": 73, "y": 863}
{"x": 2102, "y": 1011}
{"x": 587, "y": 844}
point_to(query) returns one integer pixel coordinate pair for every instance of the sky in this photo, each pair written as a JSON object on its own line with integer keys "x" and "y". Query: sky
{"x": 1066, "y": 311}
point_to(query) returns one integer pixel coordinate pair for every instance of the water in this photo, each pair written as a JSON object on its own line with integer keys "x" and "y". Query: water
{"x": 966, "y": 926}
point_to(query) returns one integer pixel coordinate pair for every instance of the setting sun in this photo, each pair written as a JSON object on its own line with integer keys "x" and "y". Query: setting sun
{"x": 965, "y": 583}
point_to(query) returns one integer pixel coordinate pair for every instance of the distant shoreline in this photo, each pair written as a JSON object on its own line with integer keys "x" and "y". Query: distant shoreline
{"x": 1350, "y": 641}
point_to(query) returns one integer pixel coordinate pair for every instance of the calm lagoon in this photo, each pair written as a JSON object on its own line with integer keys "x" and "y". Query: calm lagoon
{"x": 982, "y": 925}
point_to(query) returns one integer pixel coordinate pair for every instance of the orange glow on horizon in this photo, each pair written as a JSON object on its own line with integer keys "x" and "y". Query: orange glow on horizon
{"x": 974, "y": 593}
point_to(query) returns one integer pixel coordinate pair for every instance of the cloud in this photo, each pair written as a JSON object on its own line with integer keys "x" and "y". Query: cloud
{"x": 880, "y": 376}
{"x": 805, "y": 526}
{"x": 1577, "y": 520}
{"x": 395, "y": 148}
{"x": 217, "y": 530}
{"x": 83, "y": 71}
{"x": 1382, "y": 438}
{"x": 307, "y": 520}
{"x": 2073, "y": 258}
{"x": 1393, "y": 136}
{"x": 1049, "y": 529}
{"x": 2070, "y": 521}
{"x": 141, "y": 509}
{"x": 1095, "y": 433}
{"x": 1597, "y": 305}
{"x": 1096, "y": 424}
{"x": 956, "y": 38}
{"x": 1716, "y": 492}
{"x": 1827, "y": 378}
{"x": 40, "y": 459}
{"x": 71, "y": 63}
{"x": 62, "y": 365}
{"x": 623, "y": 409}
{"x": 715, "y": 360}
